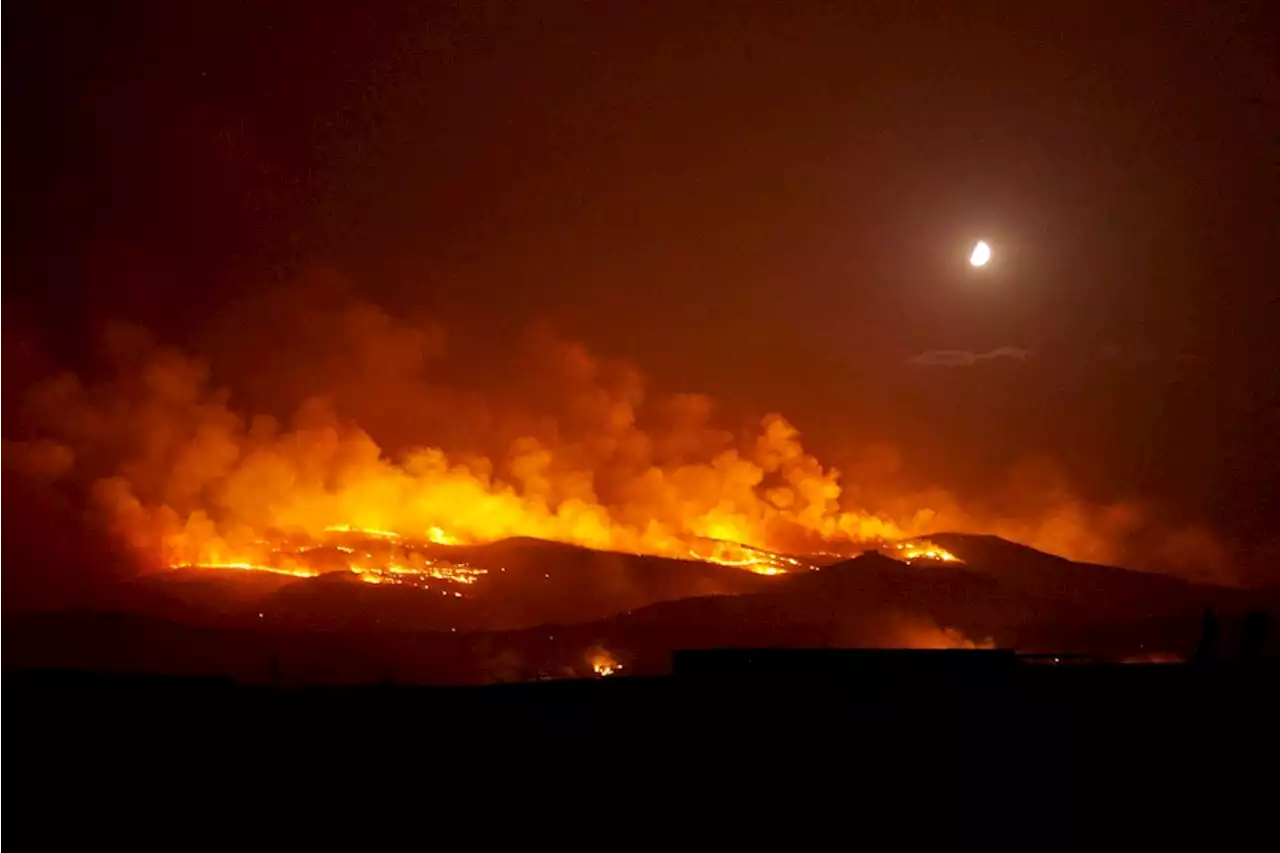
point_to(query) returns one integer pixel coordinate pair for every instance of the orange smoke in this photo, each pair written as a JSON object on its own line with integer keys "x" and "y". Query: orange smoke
{"x": 926, "y": 635}
{"x": 603, "y": 663}
{"x": 181, "y": 477}
{"x": 578, "y": 451}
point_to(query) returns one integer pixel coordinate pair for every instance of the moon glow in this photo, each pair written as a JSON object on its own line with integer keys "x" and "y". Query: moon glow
{"x": 981, "y": 254}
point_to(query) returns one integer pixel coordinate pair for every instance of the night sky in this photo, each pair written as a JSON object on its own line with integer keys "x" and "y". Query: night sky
{"x": 769, "y": 202}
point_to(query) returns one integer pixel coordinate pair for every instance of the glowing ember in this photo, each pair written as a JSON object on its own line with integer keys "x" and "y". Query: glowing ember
{"x": 743, "y": 557}
{"x": 379, "y": 556}
{"x": 438, "y": 536}
{"x": 921, "y": 550}
{"x": 252, "y": 567}
{"x": 363, "y": 531}
{"x": 383, "y": 557}
{"x": 603, "y": 664}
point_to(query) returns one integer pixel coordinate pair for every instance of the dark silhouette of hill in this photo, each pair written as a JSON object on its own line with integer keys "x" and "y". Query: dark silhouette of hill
{"x": 1100, "y": 591}
{"x": 528, "y": 582}
{"x": 556, "y": 610}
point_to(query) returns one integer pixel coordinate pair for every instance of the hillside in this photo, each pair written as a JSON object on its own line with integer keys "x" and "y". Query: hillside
{"x": 543, "y": 609}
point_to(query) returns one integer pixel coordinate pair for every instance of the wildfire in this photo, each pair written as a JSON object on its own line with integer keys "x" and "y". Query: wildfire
{"x": 213, "y": 483}
{"x": 383, "y": 557}
{"x": 593, "y": 459}
{"x": 370, "y": 532}
{"x": 386, "y": 557}
{"x": 254, "y": 567}
{"x": 743, "y": 557}
{"x": 438, "y": 536}
{"x": 433, "y": 534}
{"x": 922, "y": 550}
{"x": 603, "y": 664}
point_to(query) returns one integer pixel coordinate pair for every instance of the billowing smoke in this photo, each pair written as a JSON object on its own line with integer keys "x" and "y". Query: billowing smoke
{"x": 1035, "y": 503}
{"x": 343, "y": 415}
{"x": 900, "y": 631}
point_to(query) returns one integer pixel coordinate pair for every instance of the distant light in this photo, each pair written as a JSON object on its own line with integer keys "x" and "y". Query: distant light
{"x": 981, "y": 254}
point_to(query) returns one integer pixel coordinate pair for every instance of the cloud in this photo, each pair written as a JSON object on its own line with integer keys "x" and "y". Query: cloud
{"x": 964, "y": 357}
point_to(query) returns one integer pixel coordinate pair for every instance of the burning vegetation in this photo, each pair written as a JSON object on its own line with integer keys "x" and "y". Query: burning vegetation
{"x": 384, "y": 472}
{"x": 374, "y": 556}
{"x": 919, "y": 549}
{"x": 603, "y": 663}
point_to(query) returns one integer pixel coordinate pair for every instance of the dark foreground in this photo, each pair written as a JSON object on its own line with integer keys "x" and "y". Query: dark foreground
{"x": 785, "y": 682}
{"x": 993, "y": 701}
{"x": 1002, "y": 746}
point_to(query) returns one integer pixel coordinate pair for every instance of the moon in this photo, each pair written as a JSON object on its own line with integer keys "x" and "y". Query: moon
{"x": 981, "y": 254}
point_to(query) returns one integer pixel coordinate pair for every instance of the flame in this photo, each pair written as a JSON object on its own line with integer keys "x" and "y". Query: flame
{"x": 742, "y": 556}
{"x": 384, "y": 558}
{"x": 363, "y": 531}
{"x": 922, "y": 550}
{"x": 209, "y": 486}
{"x": 603, "y": 663}
{"x": 181, "y": 478}
{"x": 438, "y": 536}
{"x": 388, "y": 565}
{"x": 252, "y": 567}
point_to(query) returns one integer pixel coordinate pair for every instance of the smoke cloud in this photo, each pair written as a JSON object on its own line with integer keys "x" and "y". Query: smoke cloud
{"x": 965, "y": 358}
{"x": 345, "y": 415}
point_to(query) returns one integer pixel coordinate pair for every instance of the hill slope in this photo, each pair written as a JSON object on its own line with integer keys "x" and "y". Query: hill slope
{"x": 544, "y": 608}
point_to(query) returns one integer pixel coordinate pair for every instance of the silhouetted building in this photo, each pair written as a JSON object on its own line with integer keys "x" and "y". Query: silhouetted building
{"x": 1253, "y": 637}
{"x": 1208, "y": 649}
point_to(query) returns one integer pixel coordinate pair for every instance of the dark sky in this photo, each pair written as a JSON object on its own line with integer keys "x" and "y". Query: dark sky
{"x": 771, "y": 202}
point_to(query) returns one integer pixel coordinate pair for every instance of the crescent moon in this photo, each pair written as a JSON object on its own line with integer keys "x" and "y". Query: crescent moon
{"x": 981, "y": 254}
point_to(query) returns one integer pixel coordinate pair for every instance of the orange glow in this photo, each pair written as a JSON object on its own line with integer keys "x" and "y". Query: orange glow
{"x": 603, "y": 663}
{"x": 363, "y": 531}
{"x": 921, "y": 550}
{"x": 393, "y": 560}
{"x": 743, "y": 556}
{"x": 184, "y": 480}
{"x": 438, "y": 536}
{"x": 251, "y": 567}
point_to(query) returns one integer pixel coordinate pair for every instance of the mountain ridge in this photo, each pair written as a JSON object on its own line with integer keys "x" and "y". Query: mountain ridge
{"x": 555, "y": 609}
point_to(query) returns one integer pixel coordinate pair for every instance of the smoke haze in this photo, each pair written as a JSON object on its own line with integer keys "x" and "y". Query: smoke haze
{"x": 311, "y": 408}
